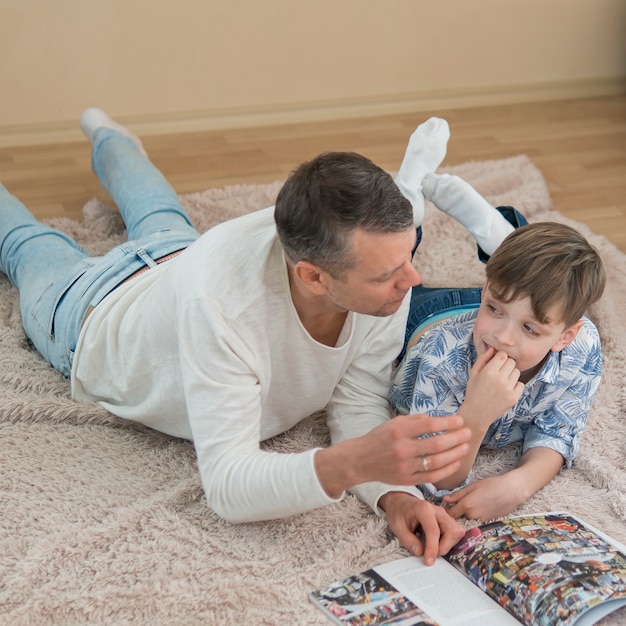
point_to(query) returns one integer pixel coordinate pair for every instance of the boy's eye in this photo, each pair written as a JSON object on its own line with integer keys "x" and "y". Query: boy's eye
{"x": 492, "y": 308}
{"x": 530, "y": 330}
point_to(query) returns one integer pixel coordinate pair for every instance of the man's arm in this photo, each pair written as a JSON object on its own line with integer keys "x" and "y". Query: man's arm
{"x": 373, "y": 453}
{"x": 494, "y": 497}
{"x": 381, "y": 459}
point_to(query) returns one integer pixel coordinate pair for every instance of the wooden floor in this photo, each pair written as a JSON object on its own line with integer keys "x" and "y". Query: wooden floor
{"x": 579, "y": 145}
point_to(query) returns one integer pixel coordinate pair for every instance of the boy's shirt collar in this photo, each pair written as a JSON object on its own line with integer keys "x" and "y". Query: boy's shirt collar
{"x": 549, "y": 373}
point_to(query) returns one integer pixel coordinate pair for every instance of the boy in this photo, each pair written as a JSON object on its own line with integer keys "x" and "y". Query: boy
{"x": 523, "y": 366}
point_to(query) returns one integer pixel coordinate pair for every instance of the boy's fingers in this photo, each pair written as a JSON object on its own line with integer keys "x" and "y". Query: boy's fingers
{"x": 484, "y": 358}
{"x": 453, "y": 498}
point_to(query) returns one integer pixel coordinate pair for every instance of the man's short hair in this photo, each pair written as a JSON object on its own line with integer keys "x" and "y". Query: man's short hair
{"x": 553, "y": 265}
{"x": 326, "y": 199}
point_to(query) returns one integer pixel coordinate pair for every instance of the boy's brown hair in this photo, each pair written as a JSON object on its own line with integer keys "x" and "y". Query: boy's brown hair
{"x": 553, "y": 265}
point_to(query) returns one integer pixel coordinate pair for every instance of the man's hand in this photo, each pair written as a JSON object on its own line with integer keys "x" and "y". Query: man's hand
{"x": 394, "y": 453}
{"x": 421, "y": 527}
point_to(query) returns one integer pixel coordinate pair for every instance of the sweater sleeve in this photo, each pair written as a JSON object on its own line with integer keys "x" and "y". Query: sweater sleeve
{"x": 241, "y": 481}
{"x": 360, "y": 400}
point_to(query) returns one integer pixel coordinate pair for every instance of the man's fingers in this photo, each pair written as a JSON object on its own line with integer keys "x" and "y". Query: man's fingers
{"x": 436, "y": 475}
{"x": 440, "y": 533}
{"x": 423, "y": 425}
{"x": 452, "y": 532}
{"x": 435, "y": 434}
{"x": 409, "y": 540}
{"x": 431, "y": 468}
{"x": 431, "y": 533}
{"x": 413, "y": 544}
{"x": 439, "y": 450}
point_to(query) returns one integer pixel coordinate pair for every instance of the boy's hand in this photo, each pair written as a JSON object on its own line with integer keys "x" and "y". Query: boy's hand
{"x": 497, "y": 496}
{"x": 493, "y": 388}
{"x": 421, "y": 527}
{"x": 486, "y": 499}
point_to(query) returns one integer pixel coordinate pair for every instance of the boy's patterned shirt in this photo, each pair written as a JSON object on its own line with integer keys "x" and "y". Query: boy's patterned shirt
{"x": 552, "y": 411}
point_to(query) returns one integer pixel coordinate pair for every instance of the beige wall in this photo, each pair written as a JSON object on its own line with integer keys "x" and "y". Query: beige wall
{"x": 207, "y": 63}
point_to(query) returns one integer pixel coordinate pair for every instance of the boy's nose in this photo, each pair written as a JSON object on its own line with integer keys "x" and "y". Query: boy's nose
{"x": 504, "y": 335}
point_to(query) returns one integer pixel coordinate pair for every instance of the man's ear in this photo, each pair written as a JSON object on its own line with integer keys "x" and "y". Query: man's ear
{"x": 311, "y": 276}
{"x": 567, "y": 337}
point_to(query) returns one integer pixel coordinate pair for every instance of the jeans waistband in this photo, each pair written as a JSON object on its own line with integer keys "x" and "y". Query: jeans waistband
{"x": 142, "y": 270}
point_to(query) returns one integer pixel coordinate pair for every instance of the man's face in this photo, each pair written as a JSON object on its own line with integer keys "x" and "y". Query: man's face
{"x": 382, "y": 275}
{"x": 513, "y": 328}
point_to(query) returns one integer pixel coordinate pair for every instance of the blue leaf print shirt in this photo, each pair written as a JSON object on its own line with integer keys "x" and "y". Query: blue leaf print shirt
{"x": 552, "y": 411}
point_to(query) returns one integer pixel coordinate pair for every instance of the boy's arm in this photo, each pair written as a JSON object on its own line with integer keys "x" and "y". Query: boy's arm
{"x": 551, "y": 439}
{"x": 497, "y": 496}
{"x": 493, "y": 388}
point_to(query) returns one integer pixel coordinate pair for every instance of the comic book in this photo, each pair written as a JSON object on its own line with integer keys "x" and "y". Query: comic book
{"x": 537, "y": 570}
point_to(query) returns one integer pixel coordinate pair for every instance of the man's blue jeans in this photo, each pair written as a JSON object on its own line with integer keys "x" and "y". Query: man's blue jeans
{"x": 57, "y": 279}
{"x": 426, "y": 301}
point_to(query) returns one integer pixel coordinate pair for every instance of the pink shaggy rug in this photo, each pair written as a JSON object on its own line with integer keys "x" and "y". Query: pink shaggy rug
{"x": 104, "y": 522}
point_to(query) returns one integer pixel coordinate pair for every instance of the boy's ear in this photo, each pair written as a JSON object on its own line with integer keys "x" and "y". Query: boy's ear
{"x": 311, "y": 276}
{"x": 567, "y": 337}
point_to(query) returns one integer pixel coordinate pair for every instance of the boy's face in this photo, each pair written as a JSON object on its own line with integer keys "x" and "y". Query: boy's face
{"x": 513, "y": 328}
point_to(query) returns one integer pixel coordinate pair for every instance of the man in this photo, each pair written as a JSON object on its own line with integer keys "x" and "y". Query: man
{"x": 232, "y": 337}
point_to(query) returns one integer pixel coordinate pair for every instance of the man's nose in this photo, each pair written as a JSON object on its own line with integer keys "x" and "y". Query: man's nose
{"x": 411, "y": 276}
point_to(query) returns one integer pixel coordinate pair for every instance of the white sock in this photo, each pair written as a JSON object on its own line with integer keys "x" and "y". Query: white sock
{"x": 425, "y": 152}
{"x": 460, "y": 200}
{"x": 92, "y": 119}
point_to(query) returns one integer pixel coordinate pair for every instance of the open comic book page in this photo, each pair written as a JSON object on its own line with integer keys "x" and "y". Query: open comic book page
{"x": 543, "y": 569}
{"x": 367, "y": 598}
{"x": 538, "y": 570}
{"x": 405, "y": 592}
{"x": 444, "y": 593}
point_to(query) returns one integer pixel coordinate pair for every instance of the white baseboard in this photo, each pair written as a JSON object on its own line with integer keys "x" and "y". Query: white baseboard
{"x": 173, "y": 123}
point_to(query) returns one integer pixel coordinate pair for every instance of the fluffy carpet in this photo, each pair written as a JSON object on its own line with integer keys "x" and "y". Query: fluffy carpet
{"x": 104, "y": 521}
